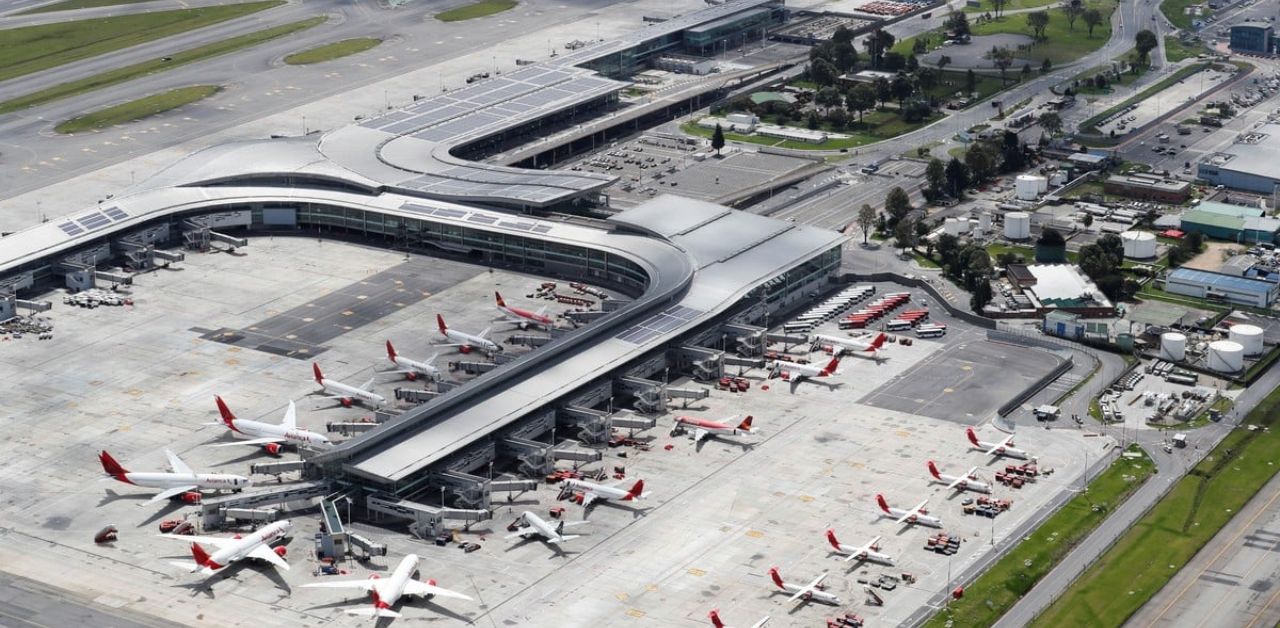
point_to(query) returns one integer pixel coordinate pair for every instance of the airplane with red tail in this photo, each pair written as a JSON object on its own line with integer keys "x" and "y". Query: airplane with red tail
{"x": 810, "y": 592}
{"x": 592, "y": 491}
{"x": 386, "y": 592}
{"x": 465, "y": 342}
{"x": 256, "y": 546}
{"x": 794, "y": 371}
{"x": 522, "y": 317}
{"x": 869, "y": 552}
{"x": 272, "y": 437}
{"x": 347, "y": 394}
{"x": 1001, "y": 448}
{"x": 705, "y": 428}
{"x": 181, "y": 481}
{"x": 854, "y": 346}
{"x": 914, "y": 516}
{"x": 714, "y": 616}
{"x": 967, "y": 482}
{"x": 413, "y": 369}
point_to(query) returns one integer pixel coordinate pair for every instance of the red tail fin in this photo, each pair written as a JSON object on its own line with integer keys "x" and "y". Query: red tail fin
{"x": 715, "y": 618}
{"x": 745, "y": 424}
{"x": 933, "y": 469}
{"x": 391, "y": 352}
{"x": 636, "y": 491}
{"x": 112, "y": 467}
{"x": 315, "y": 368}
{"x": 440, "y": 322}
{"x": 973, "y": 438}
{"x": 202, "y": 557}
{"x": 879, "y": 341}
{"x": 831, "y": 366}
{"x": 884, "y": 505}
{"x": 831, "y": 538}
{"x": 497, "y": 296}
{"x": 227, "y": 417}
{"x": 777, "y": 578}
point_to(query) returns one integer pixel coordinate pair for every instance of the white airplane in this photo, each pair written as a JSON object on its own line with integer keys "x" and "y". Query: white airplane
{"x": 466, "y": 342}
{"x": 966, "y": 482}
{"x": 870, "y": 551}
{"x": 387, "y": 591}
{"x": 1002, "y": 448}
{"x": 854, "y": 346}
{"x": 917, "y": 515}
{"x": 181, "y": 481}
{"x": 346, "y": 393}
{"x": 794, "y": 371}
{"x": 812, "y": 591}
{"x": 522, "y": 317}
{"x": 703, "y": 428}
{"x": 592, "y": 491}
{"x": 272, "y": 437}
{"x": 411, "y": 369}
{"x": 230, "y": 550}
{"x": 533, "y": 525}
{"x": 714, "y": 615}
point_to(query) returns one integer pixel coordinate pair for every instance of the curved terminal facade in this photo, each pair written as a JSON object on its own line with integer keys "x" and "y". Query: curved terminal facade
{"x": 686, "y": 265}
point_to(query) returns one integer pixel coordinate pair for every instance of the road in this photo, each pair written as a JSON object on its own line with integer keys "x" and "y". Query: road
{"x": 30, "y": 604}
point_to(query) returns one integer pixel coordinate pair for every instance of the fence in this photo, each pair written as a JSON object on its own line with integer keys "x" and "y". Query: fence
{"x": 916, "y": 282}
{"x": 1064, "y": 365}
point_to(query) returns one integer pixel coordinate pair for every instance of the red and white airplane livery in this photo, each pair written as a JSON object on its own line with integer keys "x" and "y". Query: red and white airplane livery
{"x": 1002, "y": 448}
{"x": 915, "y": 516}
{"x": 869, "y": 552}
{"x": 592, "y": 491}
{"x": 794, "y": 371}
{"x": 256, "y": 546}
{"x": 466, "y": 342}
{"x": 413, "y": 369}
{"x": 714, "y": 615}
{"x": 853, "y": 346}
{"x": 966, "y": 482}
{"x": 522, "y": 317}
{"x": 347, "y": 394}
{"x": 810, "y": 592}
{"x": 181, "y": 481}
{"x": 271, "y": 436}
{"x": 704, "y": 428}
{"x": 387, "y": 591}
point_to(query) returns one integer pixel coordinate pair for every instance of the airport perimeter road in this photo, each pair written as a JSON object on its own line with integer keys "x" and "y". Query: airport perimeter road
{"x": 29, "y": 604}
{"x": 1171, "y": 469}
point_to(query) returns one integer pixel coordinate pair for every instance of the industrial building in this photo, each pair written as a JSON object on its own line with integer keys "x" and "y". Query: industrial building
{"x": 1252, "y": 163}
{"x": 696, "y": 276}
{"x": 1253, "y": 37}
{"x": 1059, "y": 287}
{"x": 1148, "y": 187}
{"x": 1210, "y": 285}
{"x": 1235, "y": 223}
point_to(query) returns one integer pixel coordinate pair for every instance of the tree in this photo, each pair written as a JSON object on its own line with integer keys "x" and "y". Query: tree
{"x": 1038, "y": 21}
{"x": 1002, "y": 58}
{"x": 861, "y": 98}
{"x": 1012, "y": 158}
{"x": 970, "y": 81}
{"x": 839, "y": 118}
{"x": 1087, "y": 220}
{"x": 1113, "y": 247}
{"x": 893, "y": 61}
{"x": 884, "y": 91}
{"x": 998, "y": 6}
{"x": 958, "y": 23}
{"x": 905, "y": 234}
{"x": 916, "y": 110}
{"x": 877, "y": 43}
{"x": 898, "y": 204}
{"x": 842, "y": 35}
{"x": 1072, "y": 11}
{"x": 1051, "y": 237}
{"x": 903, "y": 88}
{"x": 812, "y": 122}
{"x": 1092, "y": 18}
{"x": 1145, "y": 41}
{"x": 948, "y": 245}
{"x": 1094, "y": 261}
{"x": 943, "y": 62}
{"x": 936, "y": 175}
{"x": 717, "y": 139}
{"x": 827, "y": 98}
{"x": 981, "y": 161}
{"x": 844, "y": 56}
{"x": 866, "y": 218}
{"x": 926, "y": 79}
{"x": 1046, "y": 67}
{"x": 1026, "y": 71}
{"x": 957, "y": 178}
{"x": 823, "y": 72}
{"x": 913, "y": 63}
{"x": 1051, "y": 122}
{"x": 980, "y": 297}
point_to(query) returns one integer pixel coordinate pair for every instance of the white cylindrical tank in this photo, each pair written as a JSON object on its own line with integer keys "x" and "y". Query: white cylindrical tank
{"x": 955, "y": 226}
{"x": 1017, "y": 225}
{"x": 1226, "y": 356}
{"x": 1139, "y": 244}
{"x": 1249, "y": 337}
{"x": 984, "y": 221}
{"x": 1057, "y": 178}
{"x": 1173, "y": 346}
{"x": 1028, "y": 186}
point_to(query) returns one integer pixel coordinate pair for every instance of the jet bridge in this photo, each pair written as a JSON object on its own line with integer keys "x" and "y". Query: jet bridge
{"x": 650, "y": 396}
{"x": 425, "y": 522}
{"x": 213, "y": 511}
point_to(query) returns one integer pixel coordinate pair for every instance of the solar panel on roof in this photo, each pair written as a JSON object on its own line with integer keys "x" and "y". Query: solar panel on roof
{"x": 450, "y": 213}
{"x": 541, "y": 229}
{"x": 523, "y": 226}
{"x": 70, "y": 229}
{"x": 115, "y": 213}
{"x": 488, "y": 220}
{"x": 93, "y": 221}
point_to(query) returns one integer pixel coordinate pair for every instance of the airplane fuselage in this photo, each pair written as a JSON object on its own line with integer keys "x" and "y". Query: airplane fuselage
{"x": 916, "y": 518}
{"x": 713, "y": 427}
{"x": 815, "y": 595}
{"x": 292, "y": 435}
{"x": 414, "y": 366}
{"x": 347, "y": 391}
{"x": 528, "y": 317}
{"x": 232, "y": 552}
{"x": 469, "y": 340}
{"x": 209, "y": 481}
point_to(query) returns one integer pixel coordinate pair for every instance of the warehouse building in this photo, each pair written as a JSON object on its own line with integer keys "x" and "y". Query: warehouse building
{"x": 1252, "y": 163}
{"x": 1148, "y": 187}
{"x": 1217, "y": 286}
{"x": 1235, "y": 223}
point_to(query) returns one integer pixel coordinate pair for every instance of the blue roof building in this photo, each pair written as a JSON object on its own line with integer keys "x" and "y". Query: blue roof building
{"x": 1209, "y": 285}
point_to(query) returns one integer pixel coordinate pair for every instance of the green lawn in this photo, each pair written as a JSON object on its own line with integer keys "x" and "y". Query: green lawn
{"x": 1126, "y": 78}
{"x": 1175, "y": 11}
{"x": 1175, "y": 50}
{"x": 178, "y": 59}
{"x": 1150, "y": 291}
{"x": 951, "y": 82}
{"x": 475, "y": 10}
{"x": 997, "y": 590}
{"x": 1012, "y": 5}
{"x": 329, "y": 52}
{"x": 876, "y": 126}
{"x": 1061, "y": 45}
{"x": 35, "y": 48}
{"x": 1090, "y": 125}
{"x": 1027, "y": 252}
{"x": 1168, "y": 536}
{"x": 923, "y": 261}
{"x": 137, "y": 109}
{"x": 68, "y": 5}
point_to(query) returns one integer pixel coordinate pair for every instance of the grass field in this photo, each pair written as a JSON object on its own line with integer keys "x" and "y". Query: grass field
{"x": 145, "y": 107}
{"x": 1175, "y": 10}
{"x": 69, "y": 5}
{"x": 1027, "y": 252}
{"x": 178, "y": 59}
{"x": 1168, "y": 536}
{"x": 35, "y": 48}
{"x": 1012, "y": 5}
{"x": 997, "y": 590}
{"x": 1061, "y": 45}
{"x": 329, "y": 52}
{"x": 952, "y": 82}
{"x": 475, "y": 10}
{"x": 877, "y": 126}
{"x": 1175, "y": 50}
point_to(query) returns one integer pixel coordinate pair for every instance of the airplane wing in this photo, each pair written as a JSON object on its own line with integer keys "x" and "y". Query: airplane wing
{"x": 422, "y": 589}
{"x": 368, "y": 385}
{"x": 700, "y": 434}
{"x": 760, "y": 624}
{"x": 563, "y": 538}
{"x": 366, "y": 584}
{"x": 587, "y": 498}
{"x": 176, "y": 464}
{"x": 485, "y": 333}
{"x": 523, "y": 530}
{"x": 570, "y": 524}
{"x": 956, "y": 483}
{"x": 855, "y": 554}
{"x": 255, "y": 441}
{"x": 172, "y": 492}
{"x": 1000, "y": 444}
{"x": 216, "y": 541}
{"x": 290, "y": 416}
{"x": 264, "y": 552}
{"x": 810, "y": 587}
{"x": 903, "y": 518}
